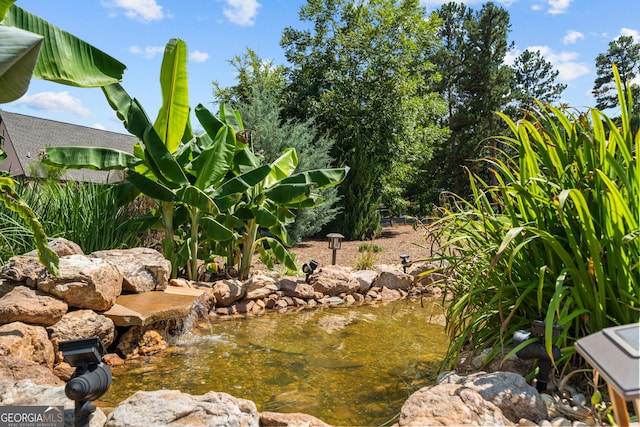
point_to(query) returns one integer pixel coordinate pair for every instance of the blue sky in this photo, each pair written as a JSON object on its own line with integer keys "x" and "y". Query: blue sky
{"x": 569, "y": 33}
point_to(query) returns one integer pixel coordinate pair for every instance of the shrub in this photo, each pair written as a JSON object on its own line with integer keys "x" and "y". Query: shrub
{"x": 557, "y": 239}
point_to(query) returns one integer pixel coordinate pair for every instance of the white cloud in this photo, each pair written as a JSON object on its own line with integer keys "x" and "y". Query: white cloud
{"x": 241, "y": 12}
{"x": 565, "y": 62}
{"x": 54, "y": 102}
{"x": 197, "y": 56}
{"x": 572, "y": 37}
{"x": 98, "y": 126}
{"x": 148, "y": 52}
{"x": 557, "y": 7}
{"x": 138, "y": 10}
{"x": 629, "y": 32}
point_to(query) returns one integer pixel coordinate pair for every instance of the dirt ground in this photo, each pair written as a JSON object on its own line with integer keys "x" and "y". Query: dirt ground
{"x": 395, "y": 240}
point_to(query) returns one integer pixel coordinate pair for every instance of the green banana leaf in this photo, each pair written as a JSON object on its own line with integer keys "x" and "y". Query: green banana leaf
{"x": 282, "y": 167}
{"x": 166, "y": 163}
{"x": 264, "y": 217}
{"x": 321, "y": 178}
{"x": 213, "y": 163}
{"x": 193, "y": 196}
{"x": 129, "y": 110}
{"x": 173, "y": 116}
{"x": 215, "y": 230}
{"x": 279, "y": 251}
{"x": 95, "y": 158}
{"x": 284, "y": 194}
{"x": 19, "y": 52}
{"x": 63, "y": 58}
{"x": 241, "y": 183}
{"x": 210, "y": 123}
{"x": 151, "y": 188}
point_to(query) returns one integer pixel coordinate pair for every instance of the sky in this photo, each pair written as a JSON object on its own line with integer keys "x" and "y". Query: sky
{"x": 569, "y": 33}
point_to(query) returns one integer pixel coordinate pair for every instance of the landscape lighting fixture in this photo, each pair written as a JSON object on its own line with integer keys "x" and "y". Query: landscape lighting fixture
{"x": 308, "y": 269}
{"x": 335, "y": 242}
{"x": 91, "y": 379}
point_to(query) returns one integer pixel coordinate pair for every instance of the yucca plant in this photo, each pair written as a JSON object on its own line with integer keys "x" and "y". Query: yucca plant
{"x": 557, "y": 239}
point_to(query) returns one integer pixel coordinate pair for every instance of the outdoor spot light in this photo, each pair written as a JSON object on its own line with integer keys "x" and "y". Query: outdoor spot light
{"x": 335, "y": 241}
{"x": 405, "y": 261}
{"x": 308, "y": 269}
{"x": 91, "y": 379}
{"x": 537, "y": 350}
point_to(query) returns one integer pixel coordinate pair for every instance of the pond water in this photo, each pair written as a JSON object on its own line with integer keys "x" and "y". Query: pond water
{"x": 346, "y": 366}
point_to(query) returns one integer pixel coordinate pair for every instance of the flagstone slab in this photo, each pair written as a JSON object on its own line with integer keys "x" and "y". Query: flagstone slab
{"x": 150, "y": 307}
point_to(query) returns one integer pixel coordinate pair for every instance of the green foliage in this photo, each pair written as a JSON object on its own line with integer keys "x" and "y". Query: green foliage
{"x": 91, "y": 215}
{"x": 259, "y": 100}
{"x": 557, "y": 239}
{"x": 625, "y": 54}
{"x": 534, "y": 78}
{"x": 362, "y": 71}
{"x": 369, "y": 247}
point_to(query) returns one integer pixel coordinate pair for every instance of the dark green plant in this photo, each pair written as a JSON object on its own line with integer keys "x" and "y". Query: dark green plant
{"x": 557, "y": 239}
{"x": 369, "y": 247}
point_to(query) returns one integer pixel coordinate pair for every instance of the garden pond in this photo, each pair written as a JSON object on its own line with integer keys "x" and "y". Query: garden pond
{"x": 344, "y": 365}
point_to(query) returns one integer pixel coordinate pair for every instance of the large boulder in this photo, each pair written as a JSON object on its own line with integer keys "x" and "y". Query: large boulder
{"x": 260, "y": 286}
{"x": 62, "y": 247}
{"x": 334, "y": 280}
{"x": 143, "y": 269}
{"x": 84, "y": 282}
{"x": 365, "y": 278}
{"x": 26, "y": 342}
{"x": 26, "y": 270}
{"x": 23, "y": 304}
{"x": 28, "y": 393}
{"x": 228, "y": 291}
{"x": 13, "y": 369}
{"x": 394, "y": 280}
{"x": 294, "y": 288}
{"x": 507, "y": 390}
{"x": 450, "y": 405}
{"x": 83, "y": 324}
{"x": 139, "y": 342}
{"x": 172, "y": 407}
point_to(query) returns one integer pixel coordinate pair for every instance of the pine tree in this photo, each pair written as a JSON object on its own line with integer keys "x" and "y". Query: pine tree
{"x": 626, "y": 55}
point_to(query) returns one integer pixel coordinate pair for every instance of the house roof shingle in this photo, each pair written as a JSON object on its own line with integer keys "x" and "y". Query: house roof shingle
{"x": 30, "y": 135}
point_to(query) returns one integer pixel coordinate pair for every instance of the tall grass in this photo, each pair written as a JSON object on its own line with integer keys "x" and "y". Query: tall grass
{"x": 557, "y": 239}
{"x": 91, "y": 215}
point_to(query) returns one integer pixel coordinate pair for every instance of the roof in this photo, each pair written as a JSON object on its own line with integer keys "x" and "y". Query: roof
{"x": 27, "y": 136}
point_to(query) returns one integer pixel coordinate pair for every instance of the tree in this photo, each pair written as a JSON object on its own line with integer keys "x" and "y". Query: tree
{"x": 534, "y": 78}
{"x": 362, "y": 70}
{"x": 478, "y": 85}
{"x": 625, "y": 54}
{"x": 258, "y": 97}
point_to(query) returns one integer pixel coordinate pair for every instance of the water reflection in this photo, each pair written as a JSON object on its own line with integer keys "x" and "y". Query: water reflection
{"x": 346, "y": 366}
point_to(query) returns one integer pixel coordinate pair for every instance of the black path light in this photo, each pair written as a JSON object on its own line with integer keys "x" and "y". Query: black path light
{"x": 335, "y": 242}
{"x": 91, "y": 379}
{"x": 308, "y": 269}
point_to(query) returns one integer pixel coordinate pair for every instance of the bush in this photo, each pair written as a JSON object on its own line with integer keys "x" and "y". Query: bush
{"x": 557, "y": 239}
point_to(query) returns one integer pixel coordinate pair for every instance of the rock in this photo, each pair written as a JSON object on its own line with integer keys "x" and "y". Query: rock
{"x": 275, "y": 419}
{"x": 143, "y": 269}
{"x": 64, "y": 371}
{"x": 508, "y": 391}
{"x": 23, "y": 269}
{"x": 112, "y": 359}
{"x": 293, "y": 288}
{"x": 62, "y": 247}
{"x": 334, "y": 280}
{"x": 260, "y": 286}
{"x": 427, "y": 274}
{"x": 228, "y": 291}
{"x": 393, "y": 280}
{"x": 26, "y": 342}
{"x": 85, "y": 282}
{"x": 365, "y": 278}
{"x": 135, "y": 342}
{"x": 387, "y": 294}
{"x": 83, "y": 324}
{"x": 26, "y": 305}
{"x": 172, "y": 407}
{"x": 13, "y": 369}
{"x": 449, "y": 405}
{"x": 27, "y": 393}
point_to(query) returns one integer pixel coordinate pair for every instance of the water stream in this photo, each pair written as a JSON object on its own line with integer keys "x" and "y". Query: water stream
{"x": 346, "y": 366}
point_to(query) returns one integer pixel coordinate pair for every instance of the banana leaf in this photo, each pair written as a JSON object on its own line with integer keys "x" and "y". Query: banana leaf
{"x": 95, "y": 158}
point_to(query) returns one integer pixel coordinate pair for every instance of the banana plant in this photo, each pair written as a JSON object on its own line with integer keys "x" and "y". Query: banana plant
{"x": 169, "y": 164}
{"x": 32, "y": 47}
{"x": 270, "y": 204}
